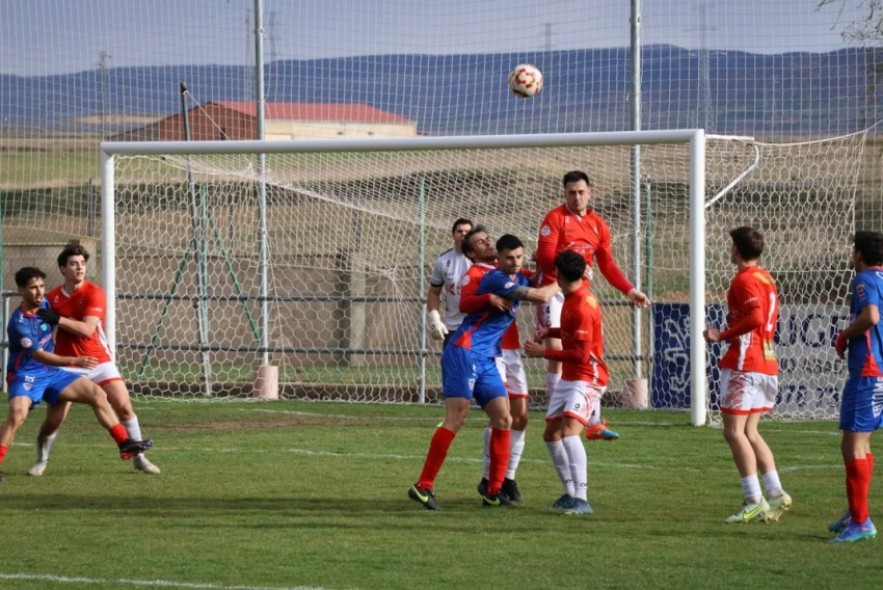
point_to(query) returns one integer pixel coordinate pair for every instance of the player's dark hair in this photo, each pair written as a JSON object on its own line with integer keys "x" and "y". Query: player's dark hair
{"x": 459, "y": 222}
{"x": 72, "y": 249}
{"x": 576, "y": 176}
{"x": 467, "y": 241}
{"x": 24, "y": 275}
{"x": 570, "y": 265}
{"x": 748, "y": 242}
{"x": 870, "y": 245}
{"x": 508, "y": 242}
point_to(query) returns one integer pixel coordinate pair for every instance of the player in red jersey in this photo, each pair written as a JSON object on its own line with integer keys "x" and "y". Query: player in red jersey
{"x": 78, "y": 310}
{"x": 583, "y": 381}
{"x": 575, "y": 225}
{"x": 749, "y": 377}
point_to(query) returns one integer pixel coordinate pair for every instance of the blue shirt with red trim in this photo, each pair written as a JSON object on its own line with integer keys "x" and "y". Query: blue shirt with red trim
{"x": 482, "y": 331}
{"x": 865, "y": 357}
{"x": 27, "y": 333}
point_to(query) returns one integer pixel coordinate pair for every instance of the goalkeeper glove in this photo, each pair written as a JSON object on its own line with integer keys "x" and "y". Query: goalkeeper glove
{"x": 437, "y": 328}
{"x": 48, "y": 316}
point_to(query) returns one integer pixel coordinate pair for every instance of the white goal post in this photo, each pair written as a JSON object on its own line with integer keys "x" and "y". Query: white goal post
{"x": 693, "y": 140}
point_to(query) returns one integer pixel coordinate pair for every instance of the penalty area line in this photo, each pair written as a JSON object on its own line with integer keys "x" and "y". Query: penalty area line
{"x": 142, "y": 583}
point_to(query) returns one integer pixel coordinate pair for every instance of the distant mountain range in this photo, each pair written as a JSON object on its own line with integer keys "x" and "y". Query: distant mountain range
{"x": 727, "y": 92}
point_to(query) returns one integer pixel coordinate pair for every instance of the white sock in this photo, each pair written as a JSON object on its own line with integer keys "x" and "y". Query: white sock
{"x": 552, "y": 380}
{"x": 751, "y": 489}
{"x": 578, "y": 463}
{"x": 562, "y": 468}
{"x": 771, "y": 484}
{"x": 133, "y": 429}
{"x": 516, "y": 447}
{"x": 595, "y": 416}
{"x": 44, "y": 445}
{"x": 486, "y": 460}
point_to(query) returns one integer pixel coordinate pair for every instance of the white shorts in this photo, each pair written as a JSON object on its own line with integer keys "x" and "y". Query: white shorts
{"x": 511, "y": 367}
{"x": 549, "y": 313}
{"x": 747, "y": 393}
{"x": 574, "y": 399}
{"x": 101, "y": 373}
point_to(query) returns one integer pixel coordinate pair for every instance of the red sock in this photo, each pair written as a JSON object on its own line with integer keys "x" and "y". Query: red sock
{"x": 499, "y": 460}
{"x": 438, "y": 450}
{"x": 858, "y": 483}
{"x": 119, "y": 433}
{"x": 3, "y": 450}
{"x": 870, "y": 459}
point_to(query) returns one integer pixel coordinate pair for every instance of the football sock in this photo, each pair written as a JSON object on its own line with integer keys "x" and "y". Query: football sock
{"x": 486, "y": 459}
{"x": 751, "y": 489}
{"x": 133, "y": 428}
{"x": 595, "y": 416}
{"x": 500, "y": 440}
{"x": 44, "y": 445}
{"x": 3, "y": 450}
{"x": 771, "y": 484}
{"x": 578, "y": 463}
{"x": 859, "y": 476}
{"x": 438, "y": 450}
{"x": 516, "y": 448}
{"x": 562, "y": 467}
{"x": 118, "y": 432}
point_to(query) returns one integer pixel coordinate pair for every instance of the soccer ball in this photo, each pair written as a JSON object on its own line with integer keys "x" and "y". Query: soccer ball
{"x": 526, "y": 81}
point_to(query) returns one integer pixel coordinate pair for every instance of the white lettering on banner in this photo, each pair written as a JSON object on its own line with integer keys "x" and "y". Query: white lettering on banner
{"x": 811, "y": 375}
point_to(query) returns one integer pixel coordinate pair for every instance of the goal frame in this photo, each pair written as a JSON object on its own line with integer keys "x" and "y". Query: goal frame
{"x": 694, "y": 138}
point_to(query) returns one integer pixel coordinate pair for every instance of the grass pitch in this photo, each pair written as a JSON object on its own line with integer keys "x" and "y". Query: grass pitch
{"x": 280, "y": 495}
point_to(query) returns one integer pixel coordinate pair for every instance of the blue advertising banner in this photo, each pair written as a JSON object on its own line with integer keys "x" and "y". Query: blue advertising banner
{"x": 810, "y": 374}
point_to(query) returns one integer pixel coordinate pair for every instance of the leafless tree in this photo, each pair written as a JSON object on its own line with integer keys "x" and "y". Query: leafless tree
{"x": 869, "y": 28}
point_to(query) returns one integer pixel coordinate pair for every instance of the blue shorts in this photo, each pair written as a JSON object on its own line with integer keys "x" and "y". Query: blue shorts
{"x": 862, "y": 407}
{"x": 42, "y": 386}
{"x": 470, "y": 375}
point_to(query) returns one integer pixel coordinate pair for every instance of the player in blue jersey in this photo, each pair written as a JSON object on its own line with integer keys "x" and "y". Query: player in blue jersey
{"x": 469, "y": 370}
{"x": 861, "y": 408}
{"x": 33, "y": 374}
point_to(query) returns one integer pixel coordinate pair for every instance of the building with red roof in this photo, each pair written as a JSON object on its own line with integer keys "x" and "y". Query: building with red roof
{"x": 223, "y": 120}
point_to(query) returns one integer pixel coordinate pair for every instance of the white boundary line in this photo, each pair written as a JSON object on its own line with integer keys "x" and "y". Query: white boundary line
{"x": 142, "y": 583}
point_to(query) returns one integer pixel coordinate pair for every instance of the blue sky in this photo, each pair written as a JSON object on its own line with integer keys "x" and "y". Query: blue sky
{"x": 43, "y": 37}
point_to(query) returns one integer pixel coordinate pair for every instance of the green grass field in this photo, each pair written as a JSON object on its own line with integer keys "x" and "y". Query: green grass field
{"x": 305, "y": 495}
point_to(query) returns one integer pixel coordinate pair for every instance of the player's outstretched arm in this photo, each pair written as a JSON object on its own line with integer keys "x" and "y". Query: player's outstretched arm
{"x": 534, "y": 294}
{"x": 83, "y": 328}
{"x": 54, "y": 360}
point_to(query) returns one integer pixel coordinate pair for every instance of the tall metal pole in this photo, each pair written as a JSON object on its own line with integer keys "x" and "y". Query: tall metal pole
{"x": 262, "y": 186}
{"x": 637, "y": 332}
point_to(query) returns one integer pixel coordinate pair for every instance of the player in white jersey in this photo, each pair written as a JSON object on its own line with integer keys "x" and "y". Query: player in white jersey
{"x": 447, "y": 271}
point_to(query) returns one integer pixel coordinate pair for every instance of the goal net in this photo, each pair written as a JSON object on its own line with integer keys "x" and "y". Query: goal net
{"x": 315, "y": 259}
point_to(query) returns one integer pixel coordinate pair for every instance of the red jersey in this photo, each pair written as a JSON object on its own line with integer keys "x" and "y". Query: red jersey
{"x": 582, "y": 339}
{"x": 88, "y": 300}
{"x": 753, "y": 305}
{"x": 587, "y": 235}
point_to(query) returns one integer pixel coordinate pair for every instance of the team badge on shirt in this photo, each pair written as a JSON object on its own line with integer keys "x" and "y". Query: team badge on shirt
{"x": 464, "y": 281}
{"x": 26, "y": 343}
{"x": 546, "y": 231}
